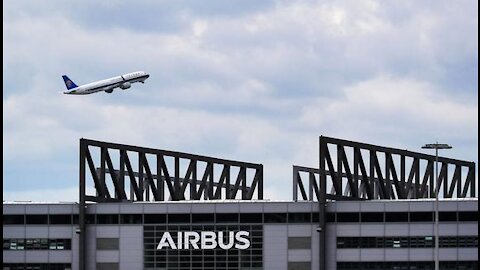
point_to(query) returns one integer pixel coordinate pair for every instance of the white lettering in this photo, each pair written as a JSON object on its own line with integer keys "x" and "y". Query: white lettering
{"x": 166, "y": 237}
{"x": 207, "y": 240}
{"x": 244, "y": 242}
{"x": 229, "y": 244}
{"x": 179, "y": 239}
{"x": 193, "y": 241}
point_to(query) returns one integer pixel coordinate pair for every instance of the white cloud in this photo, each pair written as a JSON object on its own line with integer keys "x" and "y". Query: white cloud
{"x": 259, "y": 85}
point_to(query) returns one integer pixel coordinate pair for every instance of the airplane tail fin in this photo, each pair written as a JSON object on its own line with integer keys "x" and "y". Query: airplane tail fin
{"x": 69, "y": 83}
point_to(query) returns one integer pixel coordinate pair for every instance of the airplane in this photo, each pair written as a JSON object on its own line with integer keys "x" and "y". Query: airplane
{"x": 123, "y": 82}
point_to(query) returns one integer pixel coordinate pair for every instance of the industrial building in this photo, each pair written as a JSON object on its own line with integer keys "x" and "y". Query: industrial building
{"x": 364, "y": 207}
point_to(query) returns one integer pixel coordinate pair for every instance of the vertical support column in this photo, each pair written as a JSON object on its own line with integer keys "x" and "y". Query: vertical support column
{"x": 459, "y": 183}
{"x": 81, "y": 210}
{"x": 417, "y": 178}
{"x": 432, "y": 177}
{"x": 176, "y": 180}
{"x": 471, "y": 172}
{"x": 141, "y": 186}
{"x": 339, "y": 169}
{"x": 193, "y": 182}
{"x": 160, "y": 178}
{"x": 103, "y": 184}
{"x": 321, "y": 206}
{"x": 445, "y": 180}
{"x": 295, "y": 184}
{"x": 403, "y": 181}
{"x": 121, "y": 175}
{"x": 355, "y": 173}
{"x": 260, "y": 183}
{"x": 311, "y": 181}
{"x": 243, "y": 171}
{"x": 374, "y": 184}
{"x": 228, "y": 191}
{"x": 211, "y": 182}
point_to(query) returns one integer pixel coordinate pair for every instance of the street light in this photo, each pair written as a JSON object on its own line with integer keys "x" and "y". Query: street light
{"x": 436, "y": 146}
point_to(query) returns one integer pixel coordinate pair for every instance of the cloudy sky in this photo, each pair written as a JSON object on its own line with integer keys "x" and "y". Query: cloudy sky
{"x": 255, "y": 81}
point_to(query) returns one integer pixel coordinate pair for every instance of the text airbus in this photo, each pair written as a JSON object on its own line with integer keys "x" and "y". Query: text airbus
{"x": 206, "y": 240}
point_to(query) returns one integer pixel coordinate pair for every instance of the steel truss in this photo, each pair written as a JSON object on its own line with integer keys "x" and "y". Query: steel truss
{"x": 381, "y": 181}
{"x": 402, "y": 174}
{"x": 204, "y": 177}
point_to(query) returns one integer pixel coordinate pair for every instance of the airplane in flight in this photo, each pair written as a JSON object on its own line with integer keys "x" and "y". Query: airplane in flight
{"x": 123, "y": 82}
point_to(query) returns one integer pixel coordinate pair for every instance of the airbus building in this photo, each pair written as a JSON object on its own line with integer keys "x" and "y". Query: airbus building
{"x": 364, "y": 207}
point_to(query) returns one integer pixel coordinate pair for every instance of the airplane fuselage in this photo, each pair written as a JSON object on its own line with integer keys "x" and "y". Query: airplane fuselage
{"x": 107, "y": 85}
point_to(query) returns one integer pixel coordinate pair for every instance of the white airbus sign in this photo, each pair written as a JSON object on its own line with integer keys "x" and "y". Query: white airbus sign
{"x": 205, "y": 240}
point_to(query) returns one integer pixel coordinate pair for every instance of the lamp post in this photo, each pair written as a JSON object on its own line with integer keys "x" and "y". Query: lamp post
{"x": 436, "y": 146}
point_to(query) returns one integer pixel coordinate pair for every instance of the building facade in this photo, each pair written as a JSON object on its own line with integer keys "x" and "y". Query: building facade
{"x": 282, "y": 235}
{"x": 364, "y": 207}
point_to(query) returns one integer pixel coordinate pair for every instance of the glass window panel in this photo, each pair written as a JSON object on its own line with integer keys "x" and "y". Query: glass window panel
{"x": 421, "y": 216}
{"x": 468, "y": 216}
{"x": 155, "y": 218}
{"x": 275, "y": 217}
{"x": 37, "y": 219}
{"x": 372, "y": 217}
{"x": 60, "y": 219}
{"x": 203, "y": 218}
{"x": 107, "y": 219}
{"x": 396, "y": 217}
{"x": 13, "y": 219}
{"x": 131, "y": 219}
{"x": 447, "y": 216}
{"x": 299, "y": 217}
{"x": 178, "y": 218}
{"x": 227, "y": 218}
{"x": 251, "y": 218}
{"x": 348, "y": 217}
{"x": 299, "y": 242}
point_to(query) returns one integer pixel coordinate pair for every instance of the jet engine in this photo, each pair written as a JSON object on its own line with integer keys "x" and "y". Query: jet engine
{"x": 125, "y": 85}
{"x": 109, "y": 91}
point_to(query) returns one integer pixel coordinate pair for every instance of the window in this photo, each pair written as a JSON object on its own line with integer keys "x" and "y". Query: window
{"x": 372, "y": 217}
{"x": 348, "y": 217}
{"x": 131, "y": 219}
{"x": 251, "y": 218}
{"x": 107, "y": 219}
{"x": 421, "y": 216}
{"x": 107, "y": 266}
{"x": 299, "y": 266}
{"x": 13, "y": 219}
{"x": 155, "y": 219}
{"x": 299, "y": 242}
{"x": 227, "y": 218}
{"x": 275, "y": 217}
{"x": 178, "y": 218}
{"x": 107, "y": 243}
{"x": 37, "y": 266}
{"x": 203, "y": 218}
{"x": 37, "y": 244}
{"x": 396, "y": 217}
{"x": 468, "y": 216}
{"x": 444, "y": 265}
{"x": 406, "y": 242}
{"x": 447, "y": 216}
{"x": 60, "y": 219}
{"x": 37, "y": 219}
{"x": 299, "y": 217}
